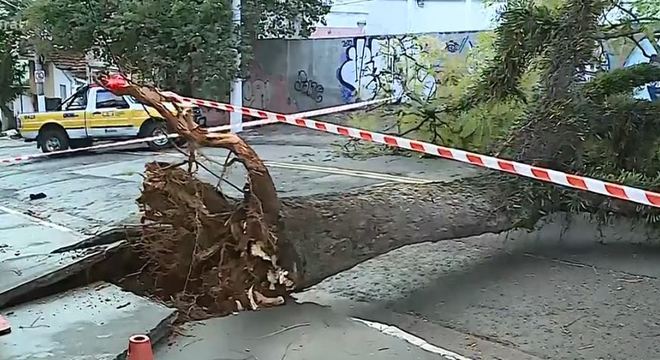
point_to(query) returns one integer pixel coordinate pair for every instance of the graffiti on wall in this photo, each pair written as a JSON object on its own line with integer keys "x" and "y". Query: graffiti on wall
{"x": 290, "y": 76}
{"x": 308, "y": 87}
{"x": 393, "y": 64}
{"x": 267, "y": 91}
{"x": 358, "y": 73}
{"x": 455, "y": 47}
{"x": 256, "y": 93}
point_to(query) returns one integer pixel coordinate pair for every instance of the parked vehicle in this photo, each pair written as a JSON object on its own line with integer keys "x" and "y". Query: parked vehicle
{"x": 92, "y": 114}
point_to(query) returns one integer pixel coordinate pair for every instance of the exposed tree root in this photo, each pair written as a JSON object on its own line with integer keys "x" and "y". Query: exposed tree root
{"x": 204, "y": 249}
{"x": 318, "y": 236}
{"x": 201, "y": 249}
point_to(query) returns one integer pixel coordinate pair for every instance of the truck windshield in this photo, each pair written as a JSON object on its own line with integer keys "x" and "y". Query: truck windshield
{"x": 77, "y": 101}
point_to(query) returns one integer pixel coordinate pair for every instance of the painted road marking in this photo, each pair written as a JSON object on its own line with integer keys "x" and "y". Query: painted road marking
{"x": 39, "y": 221}
{"x": 348, "y": 172}
{"x": 412, "y": 339}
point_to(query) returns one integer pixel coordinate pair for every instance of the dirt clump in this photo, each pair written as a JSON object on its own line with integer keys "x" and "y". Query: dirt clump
{"x": 203, "y": 252}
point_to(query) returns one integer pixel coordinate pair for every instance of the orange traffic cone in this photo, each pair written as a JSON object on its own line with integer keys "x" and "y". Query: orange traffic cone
{"x": 139, "y": 348}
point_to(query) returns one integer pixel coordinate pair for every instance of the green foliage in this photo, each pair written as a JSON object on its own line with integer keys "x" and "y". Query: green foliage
{"x": 522, "y": 94}
{"x": 478, "y": 127}
{"x": 647, "y": 7}
{"x": 523, "y": 32}
{"x": 551, "y": 133}
{"x": 620, "y": 81}
{"x": 11, "y": 71}
{"x": 186, "y": 46}
{"x": 625, "y": 137}
{"x": 596, "y": 128}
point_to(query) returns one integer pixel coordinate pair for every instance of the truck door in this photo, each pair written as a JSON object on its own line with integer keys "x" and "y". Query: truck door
{"x": 108, "y": 115}
{"x": 72, "y": 116}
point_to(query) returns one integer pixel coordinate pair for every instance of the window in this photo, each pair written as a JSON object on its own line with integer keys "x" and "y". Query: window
{"x": 63, "y": 93}
{"x": 77, "y": 102}
{"x": 106, "y": 99}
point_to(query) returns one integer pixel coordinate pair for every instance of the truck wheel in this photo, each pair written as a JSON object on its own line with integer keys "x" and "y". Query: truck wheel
{"x": 155, "y": 128}
{"x": 53, "y": 139}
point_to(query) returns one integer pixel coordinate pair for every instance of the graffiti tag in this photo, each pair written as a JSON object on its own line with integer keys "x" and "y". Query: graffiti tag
{"x": 308, "y": 87}
{"x": 455, "y": 47}
{"x": 371, "y": 65}
{"x": 358, "y": 73}
{"x": 257, "y": 93}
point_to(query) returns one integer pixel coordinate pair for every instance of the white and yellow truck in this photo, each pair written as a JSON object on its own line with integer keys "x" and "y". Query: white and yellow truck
{"x": 94, "y": 114}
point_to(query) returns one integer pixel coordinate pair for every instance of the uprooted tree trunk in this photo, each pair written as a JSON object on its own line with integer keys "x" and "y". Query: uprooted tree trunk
{"x": 325, "y": 234}
{"x": 205, "y": 250}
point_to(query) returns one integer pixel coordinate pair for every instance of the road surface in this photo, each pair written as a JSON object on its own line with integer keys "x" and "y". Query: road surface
{"x": 489, "y": 297}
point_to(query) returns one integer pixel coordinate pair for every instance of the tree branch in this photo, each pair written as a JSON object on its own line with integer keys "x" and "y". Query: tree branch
{"x": 616, "y": 35}
{"x": 640, "y": 47}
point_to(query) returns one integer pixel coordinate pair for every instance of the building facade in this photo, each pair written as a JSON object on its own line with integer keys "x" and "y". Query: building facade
{"x": 64, "y": 73}
{"x": 390, "y": 17}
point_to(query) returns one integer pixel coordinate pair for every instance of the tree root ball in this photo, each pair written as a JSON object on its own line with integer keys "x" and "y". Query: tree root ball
{"x": 204, "y": 251}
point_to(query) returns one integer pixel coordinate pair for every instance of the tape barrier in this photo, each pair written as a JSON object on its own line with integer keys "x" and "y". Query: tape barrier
{"x": 268, "y": 114}
{"x": 552, "y": 176}
{"x": 267, "y": 118}
{"x": 22, "y": 158}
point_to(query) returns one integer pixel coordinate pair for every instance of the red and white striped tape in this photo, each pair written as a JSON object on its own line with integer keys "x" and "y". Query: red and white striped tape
{"x": 267, "y": 118}
{"x": 552, "y": 176}
{"x": 22, "y": 158}
{"x": 268, "y": 114}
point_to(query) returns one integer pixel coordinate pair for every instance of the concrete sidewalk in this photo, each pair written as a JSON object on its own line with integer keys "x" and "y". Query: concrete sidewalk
{"x": 92, "y": 322}
{"x": 292, "y": 332}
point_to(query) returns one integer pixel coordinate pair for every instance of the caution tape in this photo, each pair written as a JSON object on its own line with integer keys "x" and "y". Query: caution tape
{"x": 268, "y": 114}
{"x": 552, "y": 176}
{"x": 22, "y": 158}
{"x": 267, "y": 118}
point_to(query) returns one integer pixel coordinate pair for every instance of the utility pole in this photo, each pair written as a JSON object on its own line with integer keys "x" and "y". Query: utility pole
{"x": 236, "y": 94}
{"x": 39, "y": 77}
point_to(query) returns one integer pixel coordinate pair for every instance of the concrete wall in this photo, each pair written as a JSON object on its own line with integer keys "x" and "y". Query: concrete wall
{"x": 23, "y": 104}
{"x": 298, "y": 75}
{"x": 291, "y": 76}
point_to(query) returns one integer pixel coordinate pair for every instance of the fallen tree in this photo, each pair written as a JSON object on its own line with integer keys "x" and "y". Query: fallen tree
{"x": 220, "y": 254}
